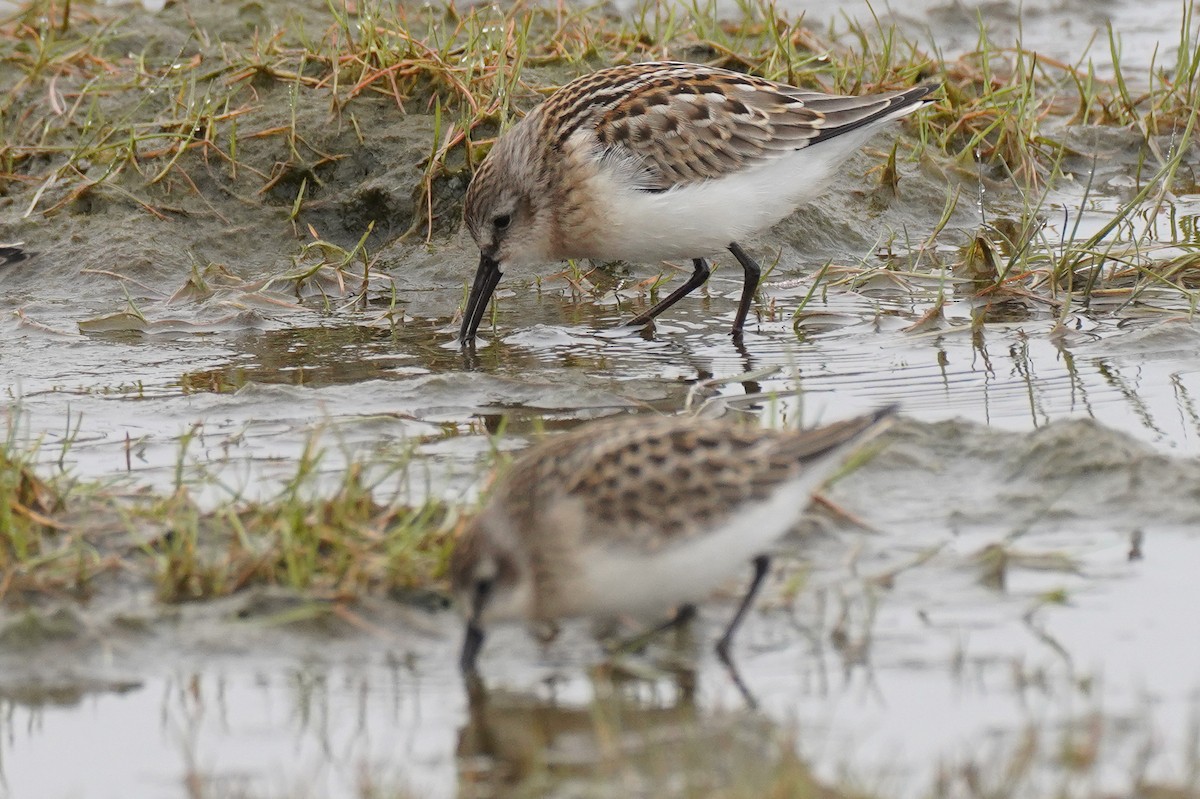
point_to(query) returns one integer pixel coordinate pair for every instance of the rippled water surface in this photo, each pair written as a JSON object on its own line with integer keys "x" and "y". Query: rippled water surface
{"x": 897, "y": 655}
{"x": 936, "y": 671}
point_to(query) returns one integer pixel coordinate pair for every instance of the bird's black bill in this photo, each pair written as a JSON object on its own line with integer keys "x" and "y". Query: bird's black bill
{"x": 486, "y": 278}
{"x": 472, "y": 643}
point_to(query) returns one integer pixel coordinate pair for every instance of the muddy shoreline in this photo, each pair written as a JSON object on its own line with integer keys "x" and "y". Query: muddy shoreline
{"x": 240, "y": 437}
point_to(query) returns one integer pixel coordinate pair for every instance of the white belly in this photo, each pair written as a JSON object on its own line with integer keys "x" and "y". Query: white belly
{"x": 623, "y": 582}
{"x": 702, "y": 219}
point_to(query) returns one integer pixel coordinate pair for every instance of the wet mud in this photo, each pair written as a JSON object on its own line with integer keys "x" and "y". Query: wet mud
{"x": 999, "y": 603}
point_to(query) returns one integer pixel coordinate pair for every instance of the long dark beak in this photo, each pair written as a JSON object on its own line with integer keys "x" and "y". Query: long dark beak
{"x": 470, "y": 649}
{"x": 486, "y": 278}
{"x": 473, "y": 640}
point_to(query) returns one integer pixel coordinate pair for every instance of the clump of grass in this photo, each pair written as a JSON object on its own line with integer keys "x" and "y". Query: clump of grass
{"x": 27, "y": 502}
{"x": 27, "y": 506}
{"x": 41, "y": 552}
{"x": 339, "y": 542}
{"x": 334, "y": 272}
{"x": 340, "y": 545}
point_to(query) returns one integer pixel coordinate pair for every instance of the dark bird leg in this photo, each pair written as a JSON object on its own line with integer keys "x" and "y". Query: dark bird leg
{"x": 683, "y": 614}
{"x": 699, "y": 275}
{"x": 761, "y": 564}
{"x": 473, "y": 640}
{"x": 753, "y": 273}
{"x": 472, "y": 643}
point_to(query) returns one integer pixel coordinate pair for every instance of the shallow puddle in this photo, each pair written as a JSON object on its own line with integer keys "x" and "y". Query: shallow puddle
{"x": 943, "y": 675}
{"x": 1018, "y": 620}
{"x": 1022, "y": 619}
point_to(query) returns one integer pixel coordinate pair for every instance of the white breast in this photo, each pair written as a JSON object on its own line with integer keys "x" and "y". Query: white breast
{"x": 702, "y": 219}
{"x": 617, "y": 582}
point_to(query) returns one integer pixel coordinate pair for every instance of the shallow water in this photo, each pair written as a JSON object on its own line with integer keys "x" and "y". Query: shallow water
{"x": 935, "y": 671}
{"x": 898, "y": 660}
{"x": 249, "y": 399}
{"x": 931, "y": 672}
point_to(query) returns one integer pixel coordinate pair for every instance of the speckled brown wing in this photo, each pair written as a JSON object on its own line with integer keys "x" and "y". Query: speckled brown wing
{"x": 670, "y": 483}
{"x": 705, "y": 124}
{"x": 657, "y": 483}
{"x": 685, "y": 123}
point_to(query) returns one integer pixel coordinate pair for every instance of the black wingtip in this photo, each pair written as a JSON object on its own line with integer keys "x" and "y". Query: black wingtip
{"x": 889, "y": 106}
{"x": 920, "y": 93}
{"x": 918, "y": 96}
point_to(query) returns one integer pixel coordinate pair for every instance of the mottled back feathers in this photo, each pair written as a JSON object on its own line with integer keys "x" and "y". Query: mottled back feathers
{"x": 650, "y": 483}
{"x": 686, "y": 122}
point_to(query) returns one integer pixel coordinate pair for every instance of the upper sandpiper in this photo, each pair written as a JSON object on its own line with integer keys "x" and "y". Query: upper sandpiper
{"x": 656, "y": 161}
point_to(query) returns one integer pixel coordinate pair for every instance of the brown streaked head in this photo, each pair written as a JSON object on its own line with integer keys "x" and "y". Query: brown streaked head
{"x": 486, "y": 580}
{"x": 507, "y": 215}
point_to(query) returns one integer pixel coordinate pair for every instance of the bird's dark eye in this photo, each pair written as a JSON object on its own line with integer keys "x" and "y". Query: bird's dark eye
{"x": 502, "y": 222}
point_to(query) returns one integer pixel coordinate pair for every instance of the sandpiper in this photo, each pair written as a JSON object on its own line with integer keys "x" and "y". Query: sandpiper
{"x": 636, "y": 516}
{"x": 661, "y": 160}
